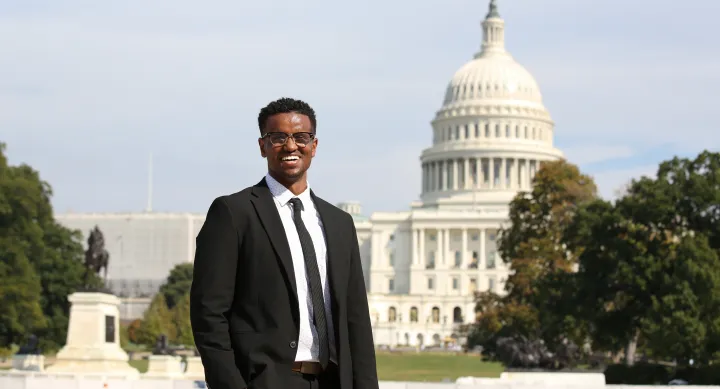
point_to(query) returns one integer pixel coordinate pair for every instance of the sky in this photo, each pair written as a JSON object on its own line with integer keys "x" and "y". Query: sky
{"x": 89, "y": 89}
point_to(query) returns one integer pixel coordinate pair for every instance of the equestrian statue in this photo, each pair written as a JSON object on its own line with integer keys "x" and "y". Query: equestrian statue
{"x": 97, "y": 257}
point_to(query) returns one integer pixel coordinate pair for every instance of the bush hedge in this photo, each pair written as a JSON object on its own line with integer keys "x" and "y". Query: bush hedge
{"x": 657, "y": 374}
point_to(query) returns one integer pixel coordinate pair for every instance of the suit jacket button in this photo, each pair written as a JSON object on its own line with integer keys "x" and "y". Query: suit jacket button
{"x": 293, "y": 344}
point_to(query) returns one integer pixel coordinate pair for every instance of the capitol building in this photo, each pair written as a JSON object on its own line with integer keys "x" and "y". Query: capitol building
{"x": 422, "y": 265}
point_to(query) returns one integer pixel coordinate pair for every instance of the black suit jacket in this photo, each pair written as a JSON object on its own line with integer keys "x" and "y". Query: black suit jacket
{"x": 243, "y": 299}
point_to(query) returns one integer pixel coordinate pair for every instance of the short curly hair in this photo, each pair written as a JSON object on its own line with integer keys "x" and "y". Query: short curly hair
{"x": 286, "y": 105}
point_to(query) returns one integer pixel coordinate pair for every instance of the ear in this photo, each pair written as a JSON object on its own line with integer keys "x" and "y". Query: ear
{"x": 261, "y": 143}
{"x": 315, "y": 144}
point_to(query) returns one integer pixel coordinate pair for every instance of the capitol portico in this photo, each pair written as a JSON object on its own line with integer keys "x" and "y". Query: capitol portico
{"x": 423, "y": 265}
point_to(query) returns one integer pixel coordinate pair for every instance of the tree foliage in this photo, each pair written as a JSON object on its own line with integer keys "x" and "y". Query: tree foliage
{"x": 177, "y": 284}
{"x": 157, "y": 321}
{"x": 535, "y": 306}
{"x": 641, "y": 273}
{"x": 649, "y": 275}
{"x": 181, "y": 319}
{"x": 169, "y": 311}
{"x": 30, "y": 235}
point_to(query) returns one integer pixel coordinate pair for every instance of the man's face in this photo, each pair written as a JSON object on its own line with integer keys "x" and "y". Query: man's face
{"x": 290, "y": 160}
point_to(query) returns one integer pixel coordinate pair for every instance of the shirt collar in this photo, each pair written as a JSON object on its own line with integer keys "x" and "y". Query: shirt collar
{"x": 282, "y": 195}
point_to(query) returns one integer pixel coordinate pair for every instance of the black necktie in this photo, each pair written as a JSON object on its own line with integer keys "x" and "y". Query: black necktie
{"x": 313, "y": 275}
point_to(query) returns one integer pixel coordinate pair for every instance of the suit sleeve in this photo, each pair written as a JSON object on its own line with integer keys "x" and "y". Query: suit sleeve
{"x": 211, "y": 296}
{"x": 362, "y": 349}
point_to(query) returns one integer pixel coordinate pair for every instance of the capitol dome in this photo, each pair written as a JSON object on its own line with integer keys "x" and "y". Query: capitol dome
{"x": 492, "y": 77}
{"x": 492, "y": 131}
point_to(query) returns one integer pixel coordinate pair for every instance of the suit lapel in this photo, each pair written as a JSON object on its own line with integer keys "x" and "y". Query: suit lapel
{"x": 270, "y": 219}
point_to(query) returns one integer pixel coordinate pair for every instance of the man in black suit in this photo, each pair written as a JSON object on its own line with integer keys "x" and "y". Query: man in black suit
{"x": 278, "y": 295}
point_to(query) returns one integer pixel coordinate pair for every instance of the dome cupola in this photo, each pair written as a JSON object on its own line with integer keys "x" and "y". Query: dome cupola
{"x": 491, "y": 132}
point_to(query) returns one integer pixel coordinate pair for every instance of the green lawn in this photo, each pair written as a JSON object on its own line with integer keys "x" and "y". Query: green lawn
{"x": 433, "y": 367}
{"x": 430, "y": 367}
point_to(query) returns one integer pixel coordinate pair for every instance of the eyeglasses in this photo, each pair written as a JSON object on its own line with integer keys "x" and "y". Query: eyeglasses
{"x": 301, "y": 139}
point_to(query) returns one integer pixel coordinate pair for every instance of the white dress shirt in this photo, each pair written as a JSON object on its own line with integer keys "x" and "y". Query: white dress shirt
{"x": 307, "y": 349}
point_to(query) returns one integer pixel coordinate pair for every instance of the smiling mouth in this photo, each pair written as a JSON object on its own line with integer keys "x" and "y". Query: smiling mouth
{"x": 291, "y": 158}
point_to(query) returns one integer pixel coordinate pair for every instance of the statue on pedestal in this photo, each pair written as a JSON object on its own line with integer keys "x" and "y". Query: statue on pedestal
{"x": 31, "y": 347}
{"x": 97, "y": 258}
{"x": 161, "y": 346}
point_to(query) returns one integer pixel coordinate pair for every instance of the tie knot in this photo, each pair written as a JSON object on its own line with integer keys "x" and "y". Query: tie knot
{"x": 296, "y": 203}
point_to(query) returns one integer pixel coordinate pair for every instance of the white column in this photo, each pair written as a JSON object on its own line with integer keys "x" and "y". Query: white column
{"x": 375, "y": 254}
{"x": 463, "y": 249}
{"x": 491, "y": 172}
{"x": 446, "y": 247}
{"x": 441, "y": 175}
{"x": 414, "y": 246}
{"x": 455, "y": 185}
{"x": 503, "y": 173}
{"x": 483, "y": 260}
{"x": 528, "y": 176}
{"x": 440, "y": 245}
{"x": 514, "y": 174}
{"x": 478, "y": 172}
{"x": 421, "y": 251}
{"x": 466, "y": 173}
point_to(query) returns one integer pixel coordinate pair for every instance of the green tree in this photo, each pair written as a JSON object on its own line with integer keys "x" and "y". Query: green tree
{"x": 648, "y": 273}
{"x": 638, "y": 282}
{"x": 20, "y": 312}
{"x": 29, "y": 230}
{"x": 181, "y": 318}
{"x": 157, "y": 321}
{"x": 532, "y": 243}
{"x": 177, "y": 284}
{"x": 536, "y": 304}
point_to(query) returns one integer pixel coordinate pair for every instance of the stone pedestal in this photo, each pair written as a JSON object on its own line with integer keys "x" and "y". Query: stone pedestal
{"x": 28, "y": 362}
{"x": 195, "y": 369}
{"x": 164, "y": 366}
{"x": 556, "y": 379}
{"x": 93, "y": 338}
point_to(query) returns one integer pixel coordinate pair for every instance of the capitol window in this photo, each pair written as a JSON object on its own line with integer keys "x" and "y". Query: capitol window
{"x": 458, "y": 259}
{"x": 391, "y": 284}
{"x": 430, "y": 283}
{"x": 413, "y": 314}
{"x": 392, "y": 314}
{"x": 455, "y": 283}
{"x": 431, "y": 260}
